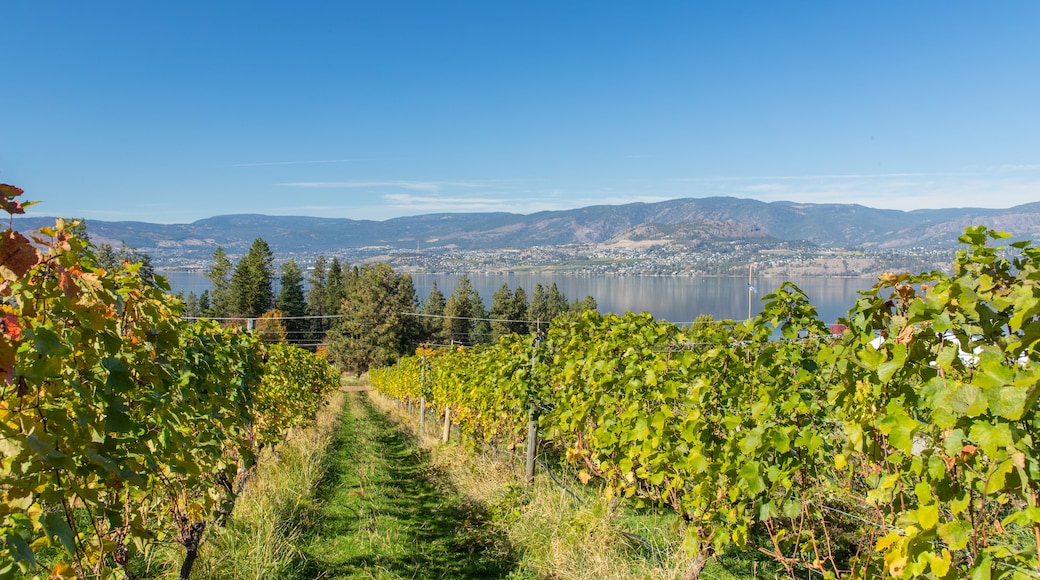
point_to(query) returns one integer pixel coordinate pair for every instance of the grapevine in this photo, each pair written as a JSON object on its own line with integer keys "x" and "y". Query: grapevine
{"x": 904, "y": 447}
{"x": 121, "y": 424}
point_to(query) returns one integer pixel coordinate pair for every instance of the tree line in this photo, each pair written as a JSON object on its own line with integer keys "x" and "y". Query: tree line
{"x": 366, "y": 315}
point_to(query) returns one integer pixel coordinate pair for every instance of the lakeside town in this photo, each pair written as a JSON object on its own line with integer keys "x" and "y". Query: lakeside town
{"x": 722, "y": 258}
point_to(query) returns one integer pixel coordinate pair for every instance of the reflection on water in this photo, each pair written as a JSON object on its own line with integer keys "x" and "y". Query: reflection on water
{"x": 678, "y": 299}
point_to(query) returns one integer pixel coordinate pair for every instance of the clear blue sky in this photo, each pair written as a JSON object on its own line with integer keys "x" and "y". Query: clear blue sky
{"x": 174, "y": 111}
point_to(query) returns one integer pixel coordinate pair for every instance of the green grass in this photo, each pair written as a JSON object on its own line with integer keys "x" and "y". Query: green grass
{"x": 384, "y": 512}
{"x": 556, "y": 536}
{"x": 277, "y": 504}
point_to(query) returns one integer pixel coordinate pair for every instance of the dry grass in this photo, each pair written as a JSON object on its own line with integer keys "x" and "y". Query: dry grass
{"x": 555, "y": 535}
{"x": 273, "y": 509}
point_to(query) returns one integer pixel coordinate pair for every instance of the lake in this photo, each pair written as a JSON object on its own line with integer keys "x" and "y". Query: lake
{"x": 676, "y": 299}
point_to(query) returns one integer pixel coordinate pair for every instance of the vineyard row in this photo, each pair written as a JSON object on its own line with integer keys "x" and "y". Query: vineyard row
{"x": 904, "y": 447}
{"x": 124, "y": 427}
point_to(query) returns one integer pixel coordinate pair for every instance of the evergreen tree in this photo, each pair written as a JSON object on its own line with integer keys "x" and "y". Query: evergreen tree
{"x": 546, "y": 304}
{"x": 481, "y": 332}
{"x": 508, "y": 312}
{"x": 78, "y": 228}
{"x": 587, "y": 303}
{"x": 106, "y": 258}
{"x": 292, "y": 302}
{"x": 219, "y": 275}
{"x": 557, "y": 302}
{"x": 433, "y": 325}
{"x": 251, "y": 284}
{"x": 335, "y": 287}
{"x": 191, "y": 306}
{"x": 316, "y": 298}
{"x": 204, "y": 303}
{"x": 376, "y": 327}
{"x": 538, "y": 310}
{"x": 463, "y": 309}
{"x": 518, "y": 312}
{"x": 129, "y": 256}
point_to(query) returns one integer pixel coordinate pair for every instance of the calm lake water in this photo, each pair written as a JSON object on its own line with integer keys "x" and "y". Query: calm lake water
{"x": 676, "y": 299}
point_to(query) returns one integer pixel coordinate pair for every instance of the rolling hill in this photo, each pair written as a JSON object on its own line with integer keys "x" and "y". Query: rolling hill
{"x": 674, "y": 221}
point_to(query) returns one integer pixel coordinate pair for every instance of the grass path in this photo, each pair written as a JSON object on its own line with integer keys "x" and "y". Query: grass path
{"x": 386, "y": 513}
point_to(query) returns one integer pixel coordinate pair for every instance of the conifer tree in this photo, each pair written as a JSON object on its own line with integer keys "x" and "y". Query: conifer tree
{"x": 557, "y": 302}
{"x": 252, "y": 293}
{"x": 106, "y": 258}
{"x": 219, "y": 275}
{"x": 291, "y": 301}
{"x": 316, "y": 281}
{"x": 518, "y": 312}
{"x": 538, "y": 310}
{"x": 433, "y": 325}
{"x": 334, "y": 290}
{"x": 546, "y": 304}
{"x": 587, "y": 303}
{"x": 191, "y": 306}
{"x": 204, "y": 303}
{"x": 377, "y": 324}
{"x": 463, "y": 309}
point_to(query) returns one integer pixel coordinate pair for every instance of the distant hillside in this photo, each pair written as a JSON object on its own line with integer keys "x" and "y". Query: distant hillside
{"x": 675, "y": 221}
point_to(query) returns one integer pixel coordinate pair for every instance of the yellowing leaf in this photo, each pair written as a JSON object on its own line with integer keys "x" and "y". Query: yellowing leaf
{"x": 928, "y": 516}
{"x": 941, "y": 564}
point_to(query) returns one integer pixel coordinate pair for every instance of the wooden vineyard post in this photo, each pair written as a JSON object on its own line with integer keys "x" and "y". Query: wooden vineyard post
{"x": 422, "y": 396}
{"x": 447, "y": 424}
{"x": 532, "y": 444}
{"x": 422, "y": 416}
{"x": 532, "y": 420}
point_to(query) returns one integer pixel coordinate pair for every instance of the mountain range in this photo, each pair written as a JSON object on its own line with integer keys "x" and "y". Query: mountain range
{"x": 676, "y": 221}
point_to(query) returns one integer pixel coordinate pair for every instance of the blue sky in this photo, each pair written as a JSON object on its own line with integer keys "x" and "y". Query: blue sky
{"x": 174, "y": 111}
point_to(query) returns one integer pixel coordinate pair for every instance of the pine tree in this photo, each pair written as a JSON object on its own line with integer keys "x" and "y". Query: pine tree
{"x": 518, "y": 312}
{"x": 335, "y": 284}
{"x": 292, "y": 302}
{"x": 557, "y": 302}
{"x": 316, "y": 281}
{"x": 191, "y": 306}
{"x": 433, "y": 325}
{"x": 129, "y": 256}
{"x": 251, "y": 284}
{"x": 501, "y": 303}
{"x": 481, "y": 332}
{"x": 106, "y": 258}
{"x": 587, "y": 303}
{"x": 546, "y": 304}
{"x": 204, "y": 303}
{"x": 463, "y": 309}
{"x": 538, "y": 311}
{"x": 377, "y": 326}
{"x": 219, "y": 275}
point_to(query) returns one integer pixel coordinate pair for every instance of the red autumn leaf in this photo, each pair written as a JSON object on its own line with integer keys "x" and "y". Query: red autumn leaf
{"x": 9, "y": 190}
{"x": 17, "y": 252}
{"x": 67, "y": 283}
{"x": 11, "y": 206}
{"x": 11, "y": 326}
{"x": 7, "y": 356}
